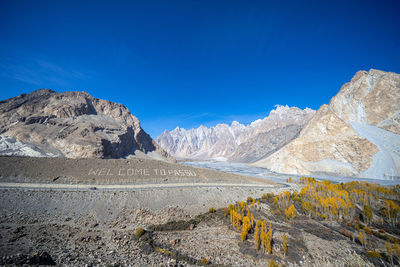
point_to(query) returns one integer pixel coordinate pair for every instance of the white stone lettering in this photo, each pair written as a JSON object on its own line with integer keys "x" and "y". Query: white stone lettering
{"x": 93, "y": 172}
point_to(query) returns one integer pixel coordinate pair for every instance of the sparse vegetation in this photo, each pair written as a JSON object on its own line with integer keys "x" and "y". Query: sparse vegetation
{"x": 205, "y": 261}
{"x": 358, "y": 206}
{"x": 284, "y": 244}
{"x": 290, "y": 213}
{"x": 272, "y": 263}
{"x": 374, "y": 254}
{"x": 139, "y": 232}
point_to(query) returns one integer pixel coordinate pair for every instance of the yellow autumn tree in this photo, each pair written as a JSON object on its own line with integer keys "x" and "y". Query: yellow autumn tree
{"x": 290, "y": 213}
{"x": 284, "y": 244}
{"x": 256, "y": 238}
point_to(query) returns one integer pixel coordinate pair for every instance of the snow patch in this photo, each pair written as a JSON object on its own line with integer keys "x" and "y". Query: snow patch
{"x": 10, "y": 146}
{"x": 386, "y": 163}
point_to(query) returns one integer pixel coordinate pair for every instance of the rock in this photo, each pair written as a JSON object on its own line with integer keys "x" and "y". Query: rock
{"x": 174, "y": 241}
{"x": 41, "y": 258}
{"x": 355, "y": 135}
{"x": 237, "y": 142}
{"x": 191, "y": 226}
{"x": 172, "y": 262}
{"x": 70, "y": 124}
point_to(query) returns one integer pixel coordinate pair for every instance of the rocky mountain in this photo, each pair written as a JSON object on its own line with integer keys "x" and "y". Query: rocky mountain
{"x": 71, "y": 124}
{"x": 237, "y": 142}
{"x": 356, "y": 134}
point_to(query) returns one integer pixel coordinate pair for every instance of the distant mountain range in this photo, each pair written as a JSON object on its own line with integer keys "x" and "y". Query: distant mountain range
{"x": 237, "y": 142}
{"x": 356, "y": 134}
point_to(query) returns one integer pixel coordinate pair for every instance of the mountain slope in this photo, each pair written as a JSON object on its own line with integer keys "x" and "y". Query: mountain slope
{"x": 70, "y": 124}
{"x": 357, "y": 134}
{"x": 237, "y": 142}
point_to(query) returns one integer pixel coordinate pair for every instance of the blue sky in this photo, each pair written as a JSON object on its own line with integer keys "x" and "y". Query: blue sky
{"x": 186, "y": 63}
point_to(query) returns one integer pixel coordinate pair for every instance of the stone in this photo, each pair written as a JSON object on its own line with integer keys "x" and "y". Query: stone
{"x": 71, "y": 124}
{"x": 237, "y": 142}
{"x": 355, "y": 135}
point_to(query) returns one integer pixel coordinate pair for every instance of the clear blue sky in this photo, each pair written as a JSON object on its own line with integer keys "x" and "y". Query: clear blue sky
{"x": 193, "y": 62}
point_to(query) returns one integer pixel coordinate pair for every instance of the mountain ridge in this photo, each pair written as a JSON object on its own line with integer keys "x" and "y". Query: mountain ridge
{"x": 71, "y": 124}
{"x": 221, "y": 141}
{"x": 356, "y": 134}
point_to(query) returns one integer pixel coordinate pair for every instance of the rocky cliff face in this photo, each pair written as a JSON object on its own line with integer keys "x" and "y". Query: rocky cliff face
{"x": 357, "y": 134}
{"x": 237, "y": 142}
{"x": 71, "y": 124}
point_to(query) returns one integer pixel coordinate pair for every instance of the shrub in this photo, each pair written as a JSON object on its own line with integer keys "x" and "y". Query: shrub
{"x": 368, "y": 230}
{"x": 174, "y": 225}
{"x": 396, "y": 250}
{"x": 139, "y": 232}
{"x": 211, "y": 210}
{"x": 322, "y": 216}
{"x": 389, "y": 251}
{"x": 298, "y": 199}
{"x": 267, "y": 196}
{"x": 361, "y": 238}
{"x": 374, "y": 254}
{"x": 205, "y": 261}
{"x": 227, "y": 211}
{"x": 250, "y": 200}
{"x": 272, "y": 263}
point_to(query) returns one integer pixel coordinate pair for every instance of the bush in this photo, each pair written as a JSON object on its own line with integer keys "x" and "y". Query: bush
{"x": 205, "y": 261}
{"x": 211, "y": 210}
{"x": 321, "y": 216}
{"x": 267, "y": 196}
{"x": 174, "y": 225}
{"x": 272, "y": 263}
{"x": 368, "y": 230}
{"x": 374, "y": 254}
{"x": 298, "y": 199}
{"x": 139, "y": 232}
{"x": 227, "y": 212}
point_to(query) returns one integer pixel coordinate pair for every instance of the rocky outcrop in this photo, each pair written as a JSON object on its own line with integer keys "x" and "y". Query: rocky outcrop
{"x": 265, "y": 143}
{"x": 357, "y": 134}
{"x": 371, "y": 98}
{"x": 237, "y": 142}
{"x": 70, "y": 124}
